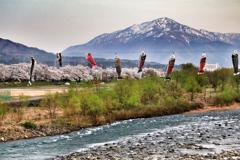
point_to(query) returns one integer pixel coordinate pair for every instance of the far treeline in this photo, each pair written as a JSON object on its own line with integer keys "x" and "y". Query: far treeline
{"x": 74, "y": 61}
{"x": 89, "y": 104}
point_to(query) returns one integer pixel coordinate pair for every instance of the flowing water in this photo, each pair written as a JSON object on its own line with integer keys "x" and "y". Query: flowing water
{"x": 50, "y": 147}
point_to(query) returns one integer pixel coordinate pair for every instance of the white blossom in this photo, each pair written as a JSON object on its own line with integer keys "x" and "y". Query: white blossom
{"x": 42, "y": 72}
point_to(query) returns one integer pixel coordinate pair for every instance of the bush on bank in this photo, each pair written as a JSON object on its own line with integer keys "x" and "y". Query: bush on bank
{"x": 226, "y": 97}
{"x": 29, "y": 125}
{"x": 4, "y": 109}
{"x": 127, "y": 98}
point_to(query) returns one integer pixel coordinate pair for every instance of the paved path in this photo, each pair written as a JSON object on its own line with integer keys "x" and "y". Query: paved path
{"x": 33, "y": 91}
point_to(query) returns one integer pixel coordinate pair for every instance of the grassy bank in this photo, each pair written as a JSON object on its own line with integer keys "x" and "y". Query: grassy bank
{"x": 87, "y": 104}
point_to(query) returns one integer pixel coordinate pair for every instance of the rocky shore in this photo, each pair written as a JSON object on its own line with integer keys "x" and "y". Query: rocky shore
{"x": 215, "y": 140}
{"x": 16, "y": 133}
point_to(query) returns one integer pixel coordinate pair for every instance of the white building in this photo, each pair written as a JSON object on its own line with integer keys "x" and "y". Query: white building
{"x": 211, "y": 67}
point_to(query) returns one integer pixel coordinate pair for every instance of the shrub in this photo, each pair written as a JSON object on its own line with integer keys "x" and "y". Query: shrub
{"x": 29, "y": 125}
{"x": 226, "y": 97}
{"x": 3, "y": 110}
{"x": 24, "y": 100}
{"x": 132, "y": 100}
{"x": 60, "y": 122}
{"x": 192, "y": 86}
{"x": 151, "y": 90}
{"x": 91, "y": 103}
{"x": 71, "y": 103}
{"x": 109, "y": 96}
{"x": 237, "y": 99}
{"x": 128, "y": 93}
{"x": 51, "y": 101}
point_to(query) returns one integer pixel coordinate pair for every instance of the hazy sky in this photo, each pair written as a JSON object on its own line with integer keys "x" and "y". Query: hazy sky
{"x": 54, "y": 25}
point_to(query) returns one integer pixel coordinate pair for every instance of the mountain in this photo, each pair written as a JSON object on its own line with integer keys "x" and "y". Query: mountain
{"x": 159, "y": 39}
{"x": 12, "y": 52}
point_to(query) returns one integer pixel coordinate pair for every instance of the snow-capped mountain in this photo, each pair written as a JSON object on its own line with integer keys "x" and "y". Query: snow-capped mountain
{"x": 159, "y": 39}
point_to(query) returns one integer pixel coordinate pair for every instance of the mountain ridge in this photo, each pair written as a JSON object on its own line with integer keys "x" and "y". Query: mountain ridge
{"x": 159, "y": 38}
{"x": 13, "y": 52}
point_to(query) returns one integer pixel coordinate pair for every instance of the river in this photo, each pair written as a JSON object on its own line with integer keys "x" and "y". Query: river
{"x": 52, "y": 146}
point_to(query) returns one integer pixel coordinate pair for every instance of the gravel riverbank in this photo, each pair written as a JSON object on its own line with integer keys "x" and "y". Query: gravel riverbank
{"x": 17, "y": 133}
{"x": 214, "y": 140}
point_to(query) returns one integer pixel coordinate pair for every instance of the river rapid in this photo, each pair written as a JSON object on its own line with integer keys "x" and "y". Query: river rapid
{"x": 211, "y": 132}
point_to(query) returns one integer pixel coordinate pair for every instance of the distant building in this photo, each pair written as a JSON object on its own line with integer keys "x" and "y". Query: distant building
{"x": 211, "y": 67}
